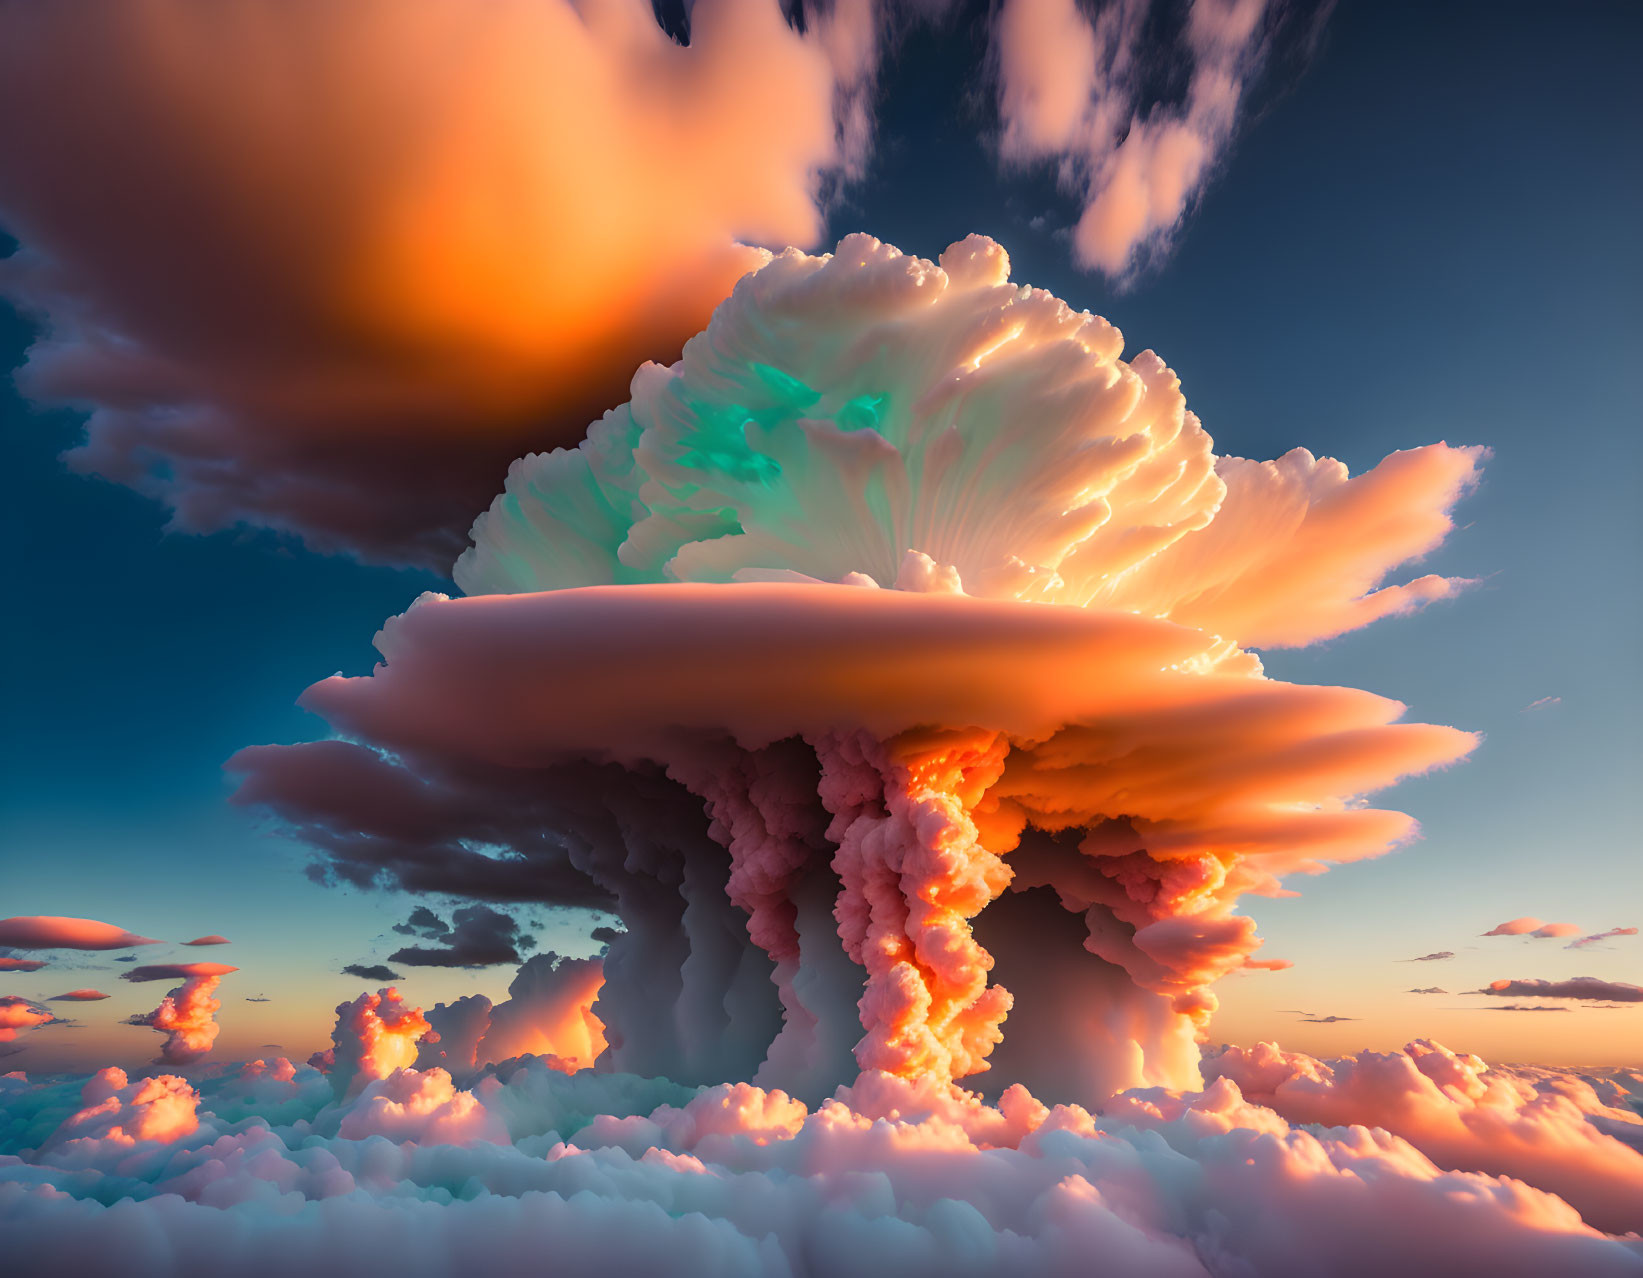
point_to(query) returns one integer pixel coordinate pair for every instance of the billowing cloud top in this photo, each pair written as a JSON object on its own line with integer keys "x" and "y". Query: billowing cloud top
{"x": 874, "y": 418}
{"x": 54, "y": 932}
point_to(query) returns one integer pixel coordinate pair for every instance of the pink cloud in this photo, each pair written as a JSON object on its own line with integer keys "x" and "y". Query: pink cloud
{"x": 79, "y": 996}
{"x": 208, "y": 940}
{"x": 10, "y": 963}
{"x": 1462, "y": 1115}
{"x": 53, "y": 932}
{"x": 1532, "y": 927}
{"x": 1543, "y": 704}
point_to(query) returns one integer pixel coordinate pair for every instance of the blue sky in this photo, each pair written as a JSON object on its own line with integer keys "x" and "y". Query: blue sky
{"x": 1428, "y": 233}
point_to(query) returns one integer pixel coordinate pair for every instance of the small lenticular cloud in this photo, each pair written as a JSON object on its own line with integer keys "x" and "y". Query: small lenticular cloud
{"x": 55, "y": 932}
{"x": 1529, "y": 926}
{"x": 208, "y": 940}
{"x": 79, "y": 996}
{"x": 1430, "y": 958}
{"x": 1430, "y": 989}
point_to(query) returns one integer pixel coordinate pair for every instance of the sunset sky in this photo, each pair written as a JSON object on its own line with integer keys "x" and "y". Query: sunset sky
{"x": 1423, "y": 231}
{"x": 807, "y": 637}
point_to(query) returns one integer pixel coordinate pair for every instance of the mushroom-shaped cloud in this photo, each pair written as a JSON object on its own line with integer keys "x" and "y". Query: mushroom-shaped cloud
{"x": 939, "y": 613}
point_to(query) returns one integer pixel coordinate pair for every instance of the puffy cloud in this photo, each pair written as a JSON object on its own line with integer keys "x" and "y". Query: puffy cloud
{"x": 1431, "y": 958}
{"x": 79, "y": 996}
{"x": 548, "y": 1014}
{"x": 897, "y": 628}
{"x": 11, "y": 963}
{"x": 1462, "y": 1115}
{"x": 481, "y": 937}
{"x": 375, "y": 1034}
{"x": 1076, "y": 88}
{"x": 1578, "y": 987}
{"x": 891, "y": 1175}
{"x": 1532, "y": 927}
{"x": 19, "y": 1015}
{"x": 1580, "y": 943}
{"x": 208, "y": 940}
{"x": 176, "y": 971}
{"x": 52, "y": 932}
{"x": 423, "y": 922}
{"x": 426, "y": 230}
{"x": 187, "y": 1017}
{"x": 119, "y": 1114}
{"x": 370, "y": 972}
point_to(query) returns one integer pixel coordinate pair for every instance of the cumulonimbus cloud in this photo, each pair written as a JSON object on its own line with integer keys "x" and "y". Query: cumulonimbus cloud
{"x": 900, "y": 560}
{"x": 1576, "y": 987}
{"x": 368, "y": 253}
{"x": 54, "y": 932}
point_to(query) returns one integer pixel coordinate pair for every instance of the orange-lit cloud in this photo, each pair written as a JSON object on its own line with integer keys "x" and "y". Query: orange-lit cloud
{"x": 367, "y": 254}
{"x": 79, "y": 996}
{"x": 187, "y": 1017}
{"x": 176, "y": 971}
{"x": 53, "y": 932}
{"x": 18, "y": 1015}
{"x": 208, "y": 940}
{"x": 11, "y": 963}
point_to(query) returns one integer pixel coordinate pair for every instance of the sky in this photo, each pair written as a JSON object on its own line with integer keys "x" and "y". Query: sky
{"x": 1421, "y": 231}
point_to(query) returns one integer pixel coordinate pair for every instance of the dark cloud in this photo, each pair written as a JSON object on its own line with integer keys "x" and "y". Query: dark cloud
{"x": 375, "y": 823}
{"x": 373, "y": 972}
{"x": 1431, "y": 989}
{"x": 1576, "y": 987}
{"x": 481, "y": 937}
{"x": 1325, "y": 1020}
{"x": 1430, "y": 958}
{"x": 605, "y": 935}
{"x": 258, "y": 999}
{"x": 423, "y": 922}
